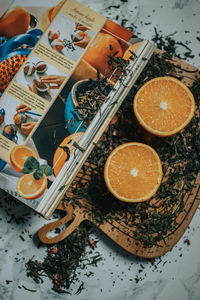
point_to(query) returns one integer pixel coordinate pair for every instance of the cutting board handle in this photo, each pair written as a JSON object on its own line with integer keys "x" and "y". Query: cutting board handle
{"x": 43, "y": 232}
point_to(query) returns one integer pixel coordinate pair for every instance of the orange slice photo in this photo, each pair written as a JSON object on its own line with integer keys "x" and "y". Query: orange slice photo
{"x": 19, "y": 155}
{"x": 164, "y": 106}
{"x": 133, "y": 172}
{"x": 29, "y": 188}
{"x": 60, "y": 156}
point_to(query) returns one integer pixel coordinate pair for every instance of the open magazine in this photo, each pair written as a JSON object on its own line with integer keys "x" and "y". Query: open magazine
{"x": 64, "y": 72}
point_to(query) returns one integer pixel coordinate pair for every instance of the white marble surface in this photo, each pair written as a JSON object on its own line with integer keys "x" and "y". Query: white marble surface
{"x": 177, "y": 274}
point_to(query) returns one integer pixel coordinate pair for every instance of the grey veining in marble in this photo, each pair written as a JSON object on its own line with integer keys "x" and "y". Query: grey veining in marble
{"x": 177, "y": 275}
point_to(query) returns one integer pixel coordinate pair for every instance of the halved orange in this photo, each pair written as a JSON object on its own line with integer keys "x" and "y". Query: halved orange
{"x": 29, "y": 188}
{"x": 164, "y": 106}
{"x": 19, "y": 155}
{"x": 60, "y": 155}
{"x": 133, "y": 172}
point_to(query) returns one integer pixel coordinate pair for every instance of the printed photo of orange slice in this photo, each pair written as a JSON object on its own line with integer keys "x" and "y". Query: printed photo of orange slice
{"x": 133, "y": 172}
{"x": 19, "y": 155}
{"x": 60, "y": 155}
{"x": 29, "y": 188}
{"x": 164, "y": 106}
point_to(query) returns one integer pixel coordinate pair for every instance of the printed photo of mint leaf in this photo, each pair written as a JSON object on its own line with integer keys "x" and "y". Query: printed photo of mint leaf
{"x": 38, "y": 174}
{"x": 47, "y": 170}
{"x": 26, "y": 170}
{"x": 32, "y": 165}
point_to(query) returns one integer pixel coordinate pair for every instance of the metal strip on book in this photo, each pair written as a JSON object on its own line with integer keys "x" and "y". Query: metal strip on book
{"x": 95, "y": 130}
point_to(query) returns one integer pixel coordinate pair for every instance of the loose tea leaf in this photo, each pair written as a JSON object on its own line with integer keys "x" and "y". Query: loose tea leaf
{"x": 60, "y": 264}
{"x": 90, "y": 98}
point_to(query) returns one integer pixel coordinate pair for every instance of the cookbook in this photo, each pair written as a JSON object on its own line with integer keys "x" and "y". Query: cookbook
{"x": 64, "y": 72}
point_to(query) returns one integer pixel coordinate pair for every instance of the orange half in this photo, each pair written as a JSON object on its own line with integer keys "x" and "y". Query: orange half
{"x": 164, "y": 106}
{"x": 29, "y": 188}
{"x": 133, "y": 172}
{"x": 19, "y": 155}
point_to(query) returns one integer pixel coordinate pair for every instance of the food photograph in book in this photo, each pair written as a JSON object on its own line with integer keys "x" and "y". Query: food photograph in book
{"x": 26, "y": 26}
{"x": 67, "y": 37}
{"x": 17, "y": 120}
{"x": 39, "y": 77}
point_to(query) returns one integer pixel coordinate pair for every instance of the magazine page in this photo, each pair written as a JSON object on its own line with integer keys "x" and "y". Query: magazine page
{"x": 25, "y": 59}
{"x": 53, "y": 54}
{"x": 73, "y": 67}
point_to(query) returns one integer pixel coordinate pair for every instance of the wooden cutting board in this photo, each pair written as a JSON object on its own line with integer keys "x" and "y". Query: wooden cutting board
{"x": 120, "y": 230}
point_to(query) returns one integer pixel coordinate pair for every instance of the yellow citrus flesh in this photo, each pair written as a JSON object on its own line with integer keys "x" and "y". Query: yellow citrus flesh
{"x": 133, "y": 172}
{"x": 19, "y": 155}
{"x": 164, "y": 106}
{"x": 29, "y": 188}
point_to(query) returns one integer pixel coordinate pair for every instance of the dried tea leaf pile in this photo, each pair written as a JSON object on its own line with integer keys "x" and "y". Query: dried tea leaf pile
{"x": 63, "y": 260}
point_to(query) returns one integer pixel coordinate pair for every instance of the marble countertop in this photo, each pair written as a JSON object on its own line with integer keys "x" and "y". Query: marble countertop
{"x": 119, "y": 275}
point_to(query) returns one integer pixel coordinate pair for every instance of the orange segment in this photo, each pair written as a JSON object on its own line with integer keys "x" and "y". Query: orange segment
{"x": 19, "y": 155}
{"x": 30, "y": 188}
{"x": 60, "y": 155}
{"x": 164, "y": 106}
{"x": 133, "y": 172}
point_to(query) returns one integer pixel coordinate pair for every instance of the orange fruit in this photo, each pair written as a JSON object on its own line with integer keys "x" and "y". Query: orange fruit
{"x": 29, "y": 188}
{"x": 133, "y": 172}
{"x": 19, "y": 155}
{"x": 164, "y": 106}
{"x": 60, "y": 155}
{"x": 99, "y": 52}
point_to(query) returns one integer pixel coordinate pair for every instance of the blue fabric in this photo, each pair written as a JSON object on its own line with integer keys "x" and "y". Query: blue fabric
{"x": 30, "y": 39}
